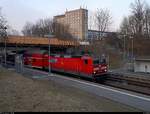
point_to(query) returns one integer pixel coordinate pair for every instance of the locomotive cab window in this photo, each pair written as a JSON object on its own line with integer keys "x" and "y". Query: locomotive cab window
{"x": 103, "y": 61}
{"x": 86, "y": 61}
{"x": 96, "y": 62}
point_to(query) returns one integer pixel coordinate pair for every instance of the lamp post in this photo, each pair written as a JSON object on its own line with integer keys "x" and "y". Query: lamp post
{"x": 4, "y": 35}
{"x": 49, "y": 61}
{"x": 5, "y": 28}
{"x": 132, "y": 51}
{"x": 124, "y": 48}
{"x": 132, "y": 47}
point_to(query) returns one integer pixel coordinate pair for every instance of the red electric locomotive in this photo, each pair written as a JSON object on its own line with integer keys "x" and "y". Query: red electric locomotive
{"x": 84, "y": 66}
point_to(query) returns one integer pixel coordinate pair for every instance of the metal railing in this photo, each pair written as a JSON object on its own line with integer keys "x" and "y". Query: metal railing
{"x": 26, "y": 70}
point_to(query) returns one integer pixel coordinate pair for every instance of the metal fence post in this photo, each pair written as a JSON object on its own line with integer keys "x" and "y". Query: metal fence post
{"x": 22, "y": 64}
{"x": 17, "y": 63}
{"x": 16, "y": 59}
{"x": 0, "y": 60}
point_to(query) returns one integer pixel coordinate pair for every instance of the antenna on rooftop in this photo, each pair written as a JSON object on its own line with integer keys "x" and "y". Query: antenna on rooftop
{"x": 84, "y": 6}
{"x": 66, "y": 10}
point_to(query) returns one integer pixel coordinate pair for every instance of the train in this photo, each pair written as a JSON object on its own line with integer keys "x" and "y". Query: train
{"x": 80, "y": 65}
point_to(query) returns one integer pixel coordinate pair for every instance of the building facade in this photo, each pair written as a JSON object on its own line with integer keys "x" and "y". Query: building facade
{"x": 76, "y": 21}
{"x": 94, "y": 34}
{"x": 142, "y": 65}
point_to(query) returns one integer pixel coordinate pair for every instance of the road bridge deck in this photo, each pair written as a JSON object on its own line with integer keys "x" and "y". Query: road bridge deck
{"x": 24, "y": 40}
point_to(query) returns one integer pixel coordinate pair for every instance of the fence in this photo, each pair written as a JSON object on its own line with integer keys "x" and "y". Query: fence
{"x": 0, "y": 60}
{"x": 19, "y": 67}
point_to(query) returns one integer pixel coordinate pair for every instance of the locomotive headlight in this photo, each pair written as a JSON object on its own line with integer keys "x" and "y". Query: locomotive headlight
{"x": 104, "y": 67}
{"x": 95, "y": 69}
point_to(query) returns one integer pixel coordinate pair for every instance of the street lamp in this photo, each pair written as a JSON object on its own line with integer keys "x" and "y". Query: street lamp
{"x": 49, "y": 61}
{"x": 4, "y": 35}
{"x": 124, "y": 47}
{"x": 132, "y": 47}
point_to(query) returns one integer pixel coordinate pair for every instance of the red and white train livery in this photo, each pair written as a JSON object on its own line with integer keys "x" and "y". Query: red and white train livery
{"x": 84, "y": 66}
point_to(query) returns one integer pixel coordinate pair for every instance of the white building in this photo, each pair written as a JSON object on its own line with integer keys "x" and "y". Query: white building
{"x": 142, "y": 65}
{"x": 94, "y": 34}
{"x": 84, "y": 43}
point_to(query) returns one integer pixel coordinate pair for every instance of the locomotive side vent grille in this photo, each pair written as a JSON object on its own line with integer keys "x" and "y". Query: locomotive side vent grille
{"x": 67, "y": 56}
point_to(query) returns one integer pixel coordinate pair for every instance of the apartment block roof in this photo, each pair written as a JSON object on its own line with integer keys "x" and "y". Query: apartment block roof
{"x": 69, "y": 12}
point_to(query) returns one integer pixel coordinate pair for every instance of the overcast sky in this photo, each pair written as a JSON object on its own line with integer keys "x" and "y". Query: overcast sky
{"x": 18, "y": 12}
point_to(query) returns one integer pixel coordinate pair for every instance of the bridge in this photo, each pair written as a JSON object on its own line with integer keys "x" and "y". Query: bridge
{"x": 23, "y": 42}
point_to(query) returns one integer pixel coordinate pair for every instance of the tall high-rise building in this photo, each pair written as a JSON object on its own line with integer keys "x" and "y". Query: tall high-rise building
{"x": 76, "y": 21}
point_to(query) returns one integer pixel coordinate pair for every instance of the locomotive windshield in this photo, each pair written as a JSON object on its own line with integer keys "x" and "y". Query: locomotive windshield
{"x": 97, "y": 61}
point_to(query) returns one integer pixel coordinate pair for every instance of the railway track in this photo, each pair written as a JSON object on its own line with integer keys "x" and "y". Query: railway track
{"x": 131, "y": 83}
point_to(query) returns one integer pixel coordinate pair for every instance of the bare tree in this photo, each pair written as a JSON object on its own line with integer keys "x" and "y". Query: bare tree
{"x": 128, "y": 26}
{"x": 3, "y": 23}
{"x": 138, "y": 11}
{"x": 91, "y": 21}
{"x": 132, "y": 25}
{"x": 2, "y": 19}
{"x": 147, "y": 22}
{"x": 125, "y": 26}
{"x": 27, "y": 29}
{"x": 45, "y": 26}
{"x": 41, "y": 28}
{"x": 13, "y": 32}
{"x": 103, "y": 20}
{"x": 138, "y": 23}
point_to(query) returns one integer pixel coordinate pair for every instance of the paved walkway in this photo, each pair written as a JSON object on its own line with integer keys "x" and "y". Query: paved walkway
{"x": 24, "y": 95}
